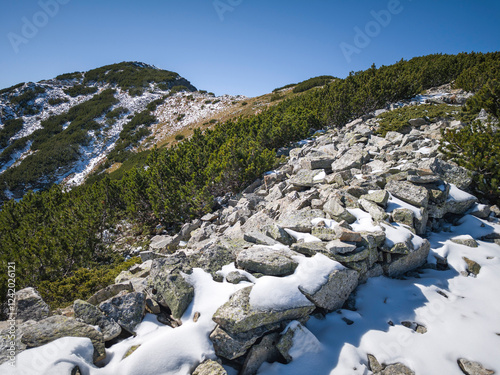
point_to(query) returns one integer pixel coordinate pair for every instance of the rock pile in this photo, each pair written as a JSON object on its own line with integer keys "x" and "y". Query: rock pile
{"x": 350, "y": 197}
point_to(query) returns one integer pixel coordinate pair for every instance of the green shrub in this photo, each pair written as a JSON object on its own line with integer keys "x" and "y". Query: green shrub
{"x": 284, "y": 87}
{"x": 276, "y": 96}
{"x": 179, "y": 88}
{"x": 68, "y": 76}
{"x": 78, "y": 90}
{"x": 477, "y": 148}
{"x": 312, "y": 82}
{"x": 56, "y": 101}
{"x": 488, "y": 97}
{"x": 244, "y": 103}
{"x": 179, "y": 137}
{"x": 82, "y": 284}
{"x": 397, "y": 119}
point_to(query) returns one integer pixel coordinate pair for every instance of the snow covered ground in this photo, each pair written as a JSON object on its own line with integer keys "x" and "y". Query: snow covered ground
{"x": 461, "y": 316}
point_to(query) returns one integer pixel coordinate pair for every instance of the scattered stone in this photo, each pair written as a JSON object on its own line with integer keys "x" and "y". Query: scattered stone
{"x": 403, "y": 216}
{"x": 234, "y": 277}
{"x": 481, "y": 211}
{"x": 279, "y": 234}
{"x": 173, "y": 291}
{"x": 339, "y": 247}
{"x": 347, "y": 235}
{"x": 267, "y": 260}
{"x": 210, "y": 367}
{"x": 152, "y": 306}
{"x": 380, "y": 197}
{"x": 306, "y": 178}
{"x": 324, "y": 233}
{"x": 472, "y": 267}
{"x": 91, "y": 315}
{"x": 334, "y": 208}
{"x": 473, "y": 368}
{"x": 373, "y": 364}
{"x": 56, "y": 327}
{"x": 373, "y": 209}
{"x": 465, "y": 240}
{"x": 397, "y": 369}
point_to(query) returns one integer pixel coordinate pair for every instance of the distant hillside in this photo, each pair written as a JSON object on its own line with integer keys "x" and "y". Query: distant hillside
{"x": 61, "y": 129}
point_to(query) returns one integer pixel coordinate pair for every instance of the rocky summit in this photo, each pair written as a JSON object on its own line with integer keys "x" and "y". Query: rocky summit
{"x": 349, "y": 205}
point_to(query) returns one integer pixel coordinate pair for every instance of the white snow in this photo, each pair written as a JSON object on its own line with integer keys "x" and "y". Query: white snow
{"x": 281, "y": 293}
{"x": 397, "y": 233}
{"x": 306, "y": 237}
{"x": 320, "y": 176}
{"x": 364, "y": 221}
{"x": 394, "y": 203}
{"x": 458, "y": 195}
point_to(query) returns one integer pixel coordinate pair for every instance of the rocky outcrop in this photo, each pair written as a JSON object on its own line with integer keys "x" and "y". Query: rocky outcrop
{"x": 30, "y": 305}
{"x": 89, "y": 314}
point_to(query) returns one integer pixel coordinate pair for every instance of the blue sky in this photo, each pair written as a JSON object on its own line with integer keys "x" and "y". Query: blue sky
{"x": 244, "y": 47}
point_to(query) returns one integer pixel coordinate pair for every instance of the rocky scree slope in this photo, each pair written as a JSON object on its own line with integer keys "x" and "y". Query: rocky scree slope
{"x": 348, "y": 206}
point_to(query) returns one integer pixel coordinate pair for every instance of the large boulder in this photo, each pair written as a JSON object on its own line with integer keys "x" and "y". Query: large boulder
{"x": 307, "y": 178}
{"x": 127, "y": 310}
{"x": 237, "y": 315}
{"x": 91, "y": 315}
{"x": 30, "y": 305}
{"x": 335, "y": 291}
{"x": 55, "y": 327}
{"x": 173, "y": 291}
{"x": 450, "y": 172}
{"x": 267, "y": 260}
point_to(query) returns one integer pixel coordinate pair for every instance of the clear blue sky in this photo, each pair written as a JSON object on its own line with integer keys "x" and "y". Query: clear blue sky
{"x": 245, "y": 47}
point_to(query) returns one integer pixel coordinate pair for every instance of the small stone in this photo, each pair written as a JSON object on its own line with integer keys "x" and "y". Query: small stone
{"x": 472, "y": 267}
{"x": 210, "y": 367}
{"x": 339, "y": 247}
{"x": 234, "y": 277}
{"x": 334, "y": 208}
{"x": 373, "y": 364}
{"x": 346, "y": 235}
{"x": 465, "y": 240}
{"x": 309, "y": 248}
{"x": 373, "y": 209}
{"x": 473, "y": 368}
{"x": 380, "y": 197}
{"x": 259, "y": 239}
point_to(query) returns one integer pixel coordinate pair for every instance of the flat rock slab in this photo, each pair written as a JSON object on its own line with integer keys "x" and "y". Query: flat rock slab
{"x": 267, "y": 260}
{"x": 210, "y": 367}
{"x": 300, "y": 221}
{"x": 473, "y": 368}
{"x": 237, "y": 315}
{"x": 408, "y": 192}
{"x": 58, "y": 326}
{"x": 127, "y": 310}
{"x": 108, "y": 292}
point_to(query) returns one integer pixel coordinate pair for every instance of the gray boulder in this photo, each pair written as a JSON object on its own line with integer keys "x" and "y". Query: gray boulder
{"x": 267, "y": 260}
{"x": 58, "y": 326}
{"x": 337, "y": 211}
{"x": 466, "y": 240}
{"x": 237, "y": 315}
{"x": 373, "y": 209}
{"x": 259, "y": 238}
{"x": 309, "y": 248}
{"x": 380, "y": 197}
{"x": 473, "y": 368}
{"x": 210, "y": 367}
{"x": 265, "y": 351}
{"x": 353, "y": 158}
{"x": 299, "y": 221}
{"x": 30, "y": 305}
{"x": 404, "y": 263}
{"x": 127, "y": 310}
{"x": 278, "y": 233}
{"x": 307, "y": 178}
{"x": 173, "y": 291}
{"x": 91, "y": 315}
{"x": 109, "y": 292}
{"x": 406, "y": 191}
{"x": 335, "y": 291}
{"x": 449, "y": 172}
